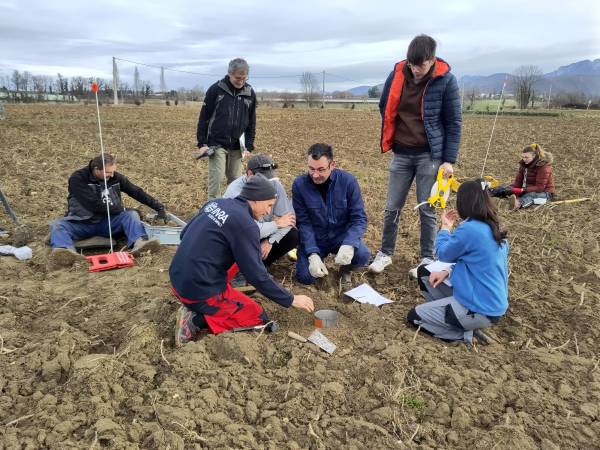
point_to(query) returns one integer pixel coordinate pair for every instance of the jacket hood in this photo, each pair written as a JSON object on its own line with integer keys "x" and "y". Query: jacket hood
{"x": 225, "y": 84}
{"x": 441, "y": 67}
{"x": 542, "y": 160}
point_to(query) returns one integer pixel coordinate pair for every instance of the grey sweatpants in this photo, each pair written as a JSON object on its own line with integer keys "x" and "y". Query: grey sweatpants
{"x": 439, "y": 321}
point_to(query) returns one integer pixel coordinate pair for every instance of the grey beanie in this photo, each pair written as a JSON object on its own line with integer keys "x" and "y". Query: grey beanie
{"x": 258, "y": 188}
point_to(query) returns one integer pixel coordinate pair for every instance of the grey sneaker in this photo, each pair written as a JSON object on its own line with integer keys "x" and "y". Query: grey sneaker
{"x": 145, "y": 245}
{"x": 413, "y": 272}
{"x": 380, "y": 262}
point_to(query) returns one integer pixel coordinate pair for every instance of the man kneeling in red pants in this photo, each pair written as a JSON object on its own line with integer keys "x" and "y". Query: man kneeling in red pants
{"x": 220, "y": 240}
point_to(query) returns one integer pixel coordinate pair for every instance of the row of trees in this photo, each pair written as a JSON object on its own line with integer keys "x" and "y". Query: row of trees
{"x": 26, "y": 87}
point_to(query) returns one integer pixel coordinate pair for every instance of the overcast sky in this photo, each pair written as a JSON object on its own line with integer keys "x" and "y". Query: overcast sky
{"x": 356, "y": 40}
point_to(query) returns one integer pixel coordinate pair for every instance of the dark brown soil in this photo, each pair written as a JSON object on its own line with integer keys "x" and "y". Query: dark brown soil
{"x": 87, "y": 359}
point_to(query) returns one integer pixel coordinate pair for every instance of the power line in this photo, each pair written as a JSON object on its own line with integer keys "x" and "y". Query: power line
{"x": 343, "y": 78}
{"x": 200, "y": 74}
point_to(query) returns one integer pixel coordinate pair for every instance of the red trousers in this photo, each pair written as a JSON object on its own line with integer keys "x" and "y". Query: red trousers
{"x": 228, "y": 310}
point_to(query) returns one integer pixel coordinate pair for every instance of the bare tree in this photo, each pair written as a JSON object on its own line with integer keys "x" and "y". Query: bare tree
{"x": 288, "y": 98}
{"x": 39, "y": 86}
{"x": 62, "y": 84}
{"x": 197, "y": 93}
{"x": 310, "y": 88}
{"x": 525, "y": 78}
{"x": 472, "y": 94}
{"x": 16, "y": 80}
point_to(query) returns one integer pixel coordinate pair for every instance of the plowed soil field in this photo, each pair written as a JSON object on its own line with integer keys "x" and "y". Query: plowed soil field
{"x": 87, "y": 359}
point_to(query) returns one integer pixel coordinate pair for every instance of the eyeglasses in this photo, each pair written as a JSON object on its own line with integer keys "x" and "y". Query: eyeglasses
{"x": 320, "y": 170}
{"x": 423, "y": 66}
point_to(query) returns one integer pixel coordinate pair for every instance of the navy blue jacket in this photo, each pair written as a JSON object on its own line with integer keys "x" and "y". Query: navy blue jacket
{"x": 226, "y": 114}
{"x": 440, "y": 111}
{"x": 223, "y": 232}
{"x": 340, "y": 219}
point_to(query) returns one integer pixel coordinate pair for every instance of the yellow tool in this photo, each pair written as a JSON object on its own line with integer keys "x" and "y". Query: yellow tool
{"x": 293, "y": 254}
{"x": 491, "y": 182}
{"x": 440, "y": 191}
{"x": 567, "y": 202}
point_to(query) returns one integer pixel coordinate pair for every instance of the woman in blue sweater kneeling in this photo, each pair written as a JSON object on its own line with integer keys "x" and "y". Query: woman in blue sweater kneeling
{"x": 479, "y": 294}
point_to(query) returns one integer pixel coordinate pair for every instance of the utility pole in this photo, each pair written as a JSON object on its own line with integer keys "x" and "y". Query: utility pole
{"x": 163, "y": 85}
{"x": 549, "y": 94}
{"x": 115, "y": 82}
{"x": 323, "y": 93}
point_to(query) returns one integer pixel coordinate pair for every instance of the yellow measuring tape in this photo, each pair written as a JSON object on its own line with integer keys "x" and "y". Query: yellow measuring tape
{"x": 438, "y": 199}
{"x": 439, "y": 192}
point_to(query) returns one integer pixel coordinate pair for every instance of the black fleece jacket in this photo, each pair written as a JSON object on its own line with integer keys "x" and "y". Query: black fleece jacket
{"x": 226, "y": 114}
{"x": 85, "y": 201}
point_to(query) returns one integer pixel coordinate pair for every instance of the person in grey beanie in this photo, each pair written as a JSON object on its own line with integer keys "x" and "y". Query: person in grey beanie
{"x": 278, "y": 234}
{"x": 219, "y": 241}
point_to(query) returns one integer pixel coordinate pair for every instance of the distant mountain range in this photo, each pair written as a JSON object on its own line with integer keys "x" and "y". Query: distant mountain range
{"x": 582, "y": 76}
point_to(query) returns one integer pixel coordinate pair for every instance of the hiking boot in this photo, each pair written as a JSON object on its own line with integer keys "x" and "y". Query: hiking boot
{"x": 481, "y": 337}
{"x": 64, "y": 257}
{"x": 413, "y": 272}
{"x": 185, "y": 330}
{"x": 239, "y": 283}
{"x": 345, "y": 281}
{"x": 143, "y": 245}
{"x": 380, "y": 262}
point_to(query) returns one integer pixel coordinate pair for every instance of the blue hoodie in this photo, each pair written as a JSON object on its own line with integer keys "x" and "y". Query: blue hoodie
{"x": 480, "y": 276}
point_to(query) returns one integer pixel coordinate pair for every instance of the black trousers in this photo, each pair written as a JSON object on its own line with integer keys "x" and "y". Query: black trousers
{"x": 287, "y": 243}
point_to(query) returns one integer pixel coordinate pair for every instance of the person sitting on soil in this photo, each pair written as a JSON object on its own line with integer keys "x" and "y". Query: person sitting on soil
{"x": 87, "y": 215}
{"x": 277, "y": 233}
{"x": 330, "y": 216}
{"x": 479, "y": 294}
{"x": 534, "y": 183}
{"x": 220, "y": 240}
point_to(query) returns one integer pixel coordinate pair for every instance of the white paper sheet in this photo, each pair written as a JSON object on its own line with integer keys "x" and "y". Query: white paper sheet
{"x": 439, "y": 266}
{"x": 366, "y": 294}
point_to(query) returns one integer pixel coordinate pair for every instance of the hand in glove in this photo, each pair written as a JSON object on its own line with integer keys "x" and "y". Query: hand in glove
{"x": 316, "y": 267}
{"x": 502, "y": 191}
{"x": 162, "y": 215}
{"x": 344, "y": 255}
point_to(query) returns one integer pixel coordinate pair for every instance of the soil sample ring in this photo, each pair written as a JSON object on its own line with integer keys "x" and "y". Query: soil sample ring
{"x": 326, "y": 318}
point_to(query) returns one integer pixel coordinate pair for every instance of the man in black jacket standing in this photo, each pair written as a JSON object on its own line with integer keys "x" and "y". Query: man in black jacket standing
{"x": 228, "y": 112}
{"x": 87, "y": 213}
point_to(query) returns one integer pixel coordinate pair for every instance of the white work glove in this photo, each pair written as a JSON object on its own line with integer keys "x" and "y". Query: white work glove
{"x": 316, "y": 267}
{"x": 344, "y": 255}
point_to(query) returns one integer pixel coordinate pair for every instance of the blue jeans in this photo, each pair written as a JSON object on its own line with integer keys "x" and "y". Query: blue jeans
{"x": 404, "y": 168}
{"x": 360, "y": 259}
{"x": 528, "y": 199}
{"x": 63, "y": 232}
